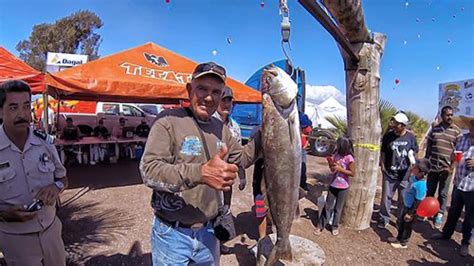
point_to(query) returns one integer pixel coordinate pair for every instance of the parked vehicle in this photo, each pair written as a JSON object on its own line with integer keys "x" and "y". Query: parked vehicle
{"x": 111, "y": 113}
{"x": 152, "y": 109}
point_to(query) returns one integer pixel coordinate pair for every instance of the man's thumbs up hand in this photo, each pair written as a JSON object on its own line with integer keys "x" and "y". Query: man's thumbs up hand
{"x": 217, "y": 173}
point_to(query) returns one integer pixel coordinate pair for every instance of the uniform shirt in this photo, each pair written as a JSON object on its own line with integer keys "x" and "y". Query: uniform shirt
{"x": 441, "y": 144}
{"x": 22, "y": 175}
{"x": 172, "y": 162}
{"x": 396, "y": 149}
{"x": 415, "y": 191}
{"x": 464, "y": 179}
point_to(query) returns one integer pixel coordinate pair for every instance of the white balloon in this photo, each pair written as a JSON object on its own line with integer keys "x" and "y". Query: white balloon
{"x": 214, "y": 52}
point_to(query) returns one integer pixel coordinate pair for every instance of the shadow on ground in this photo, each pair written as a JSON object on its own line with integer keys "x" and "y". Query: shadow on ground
{"x": 86, "y": 227}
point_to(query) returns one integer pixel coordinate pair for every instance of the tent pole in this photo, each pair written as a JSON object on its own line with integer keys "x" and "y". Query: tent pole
{"x": 45, "y": 110}
{"x": 58, "y": 112}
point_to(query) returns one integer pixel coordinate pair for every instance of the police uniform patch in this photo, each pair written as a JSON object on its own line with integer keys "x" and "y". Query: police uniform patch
{"x": 44, "y": 136}
{"x": 191, "y": 146}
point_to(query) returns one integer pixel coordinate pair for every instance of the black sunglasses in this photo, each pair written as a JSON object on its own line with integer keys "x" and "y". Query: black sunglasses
{"x": 205, "y": 67}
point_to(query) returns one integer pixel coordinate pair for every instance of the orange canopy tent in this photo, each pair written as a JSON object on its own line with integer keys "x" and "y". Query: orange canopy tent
{"x": 147, "y": 73}
{"x": 13, "y": 68}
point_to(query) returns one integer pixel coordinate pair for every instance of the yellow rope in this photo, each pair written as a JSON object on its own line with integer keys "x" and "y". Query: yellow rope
{"x": 371, "y": 147}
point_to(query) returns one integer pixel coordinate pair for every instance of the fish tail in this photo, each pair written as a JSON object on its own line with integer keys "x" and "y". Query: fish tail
{"x": 281, "y": 250}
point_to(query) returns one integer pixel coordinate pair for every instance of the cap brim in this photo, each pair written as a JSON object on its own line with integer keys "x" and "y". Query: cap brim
{"x": 209, "y": 73}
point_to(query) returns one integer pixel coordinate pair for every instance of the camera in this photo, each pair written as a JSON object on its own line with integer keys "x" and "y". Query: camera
{"x": 36, "y": 205}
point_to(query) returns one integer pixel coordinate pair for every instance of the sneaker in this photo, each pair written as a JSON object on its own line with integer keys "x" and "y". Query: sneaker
{"x": 382, "y": 225}
{"x": 335, "y": 232}
{"x": 464, "y": 250}
{"x": 399, "y": 245}
{"x": 438, "y": 221}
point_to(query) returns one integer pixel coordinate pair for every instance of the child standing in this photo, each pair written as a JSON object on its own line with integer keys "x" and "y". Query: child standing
{"x": 413, "y": 195}
{"x": 342, "y": 166}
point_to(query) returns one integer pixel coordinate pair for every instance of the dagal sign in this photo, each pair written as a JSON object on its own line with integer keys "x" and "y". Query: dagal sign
{"x": 65, "y": 60}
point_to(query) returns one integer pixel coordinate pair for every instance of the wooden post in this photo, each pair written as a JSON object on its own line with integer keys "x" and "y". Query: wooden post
{"x": 362, "y": 90}
{"x": 365, "y": 131}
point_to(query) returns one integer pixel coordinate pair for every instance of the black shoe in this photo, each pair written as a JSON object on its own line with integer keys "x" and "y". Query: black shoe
{"x": 225, "y": 250}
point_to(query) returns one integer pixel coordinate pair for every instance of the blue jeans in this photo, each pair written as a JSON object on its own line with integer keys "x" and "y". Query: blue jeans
{"x": 183, "y": 246}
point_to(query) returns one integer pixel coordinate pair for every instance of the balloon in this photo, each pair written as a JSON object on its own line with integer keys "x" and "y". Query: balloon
{"x": 214, "y": 52}
{"x": 419, "y": 36}
{"x": 437, "y": 68}
{"x": 229, "y": 40}
{"x": 462, "y": 8}
{"x": 449, "y": 40}
{"x": 407, "y": 4}
{"x": 418, "y": 20}
{"x": 167, "y": 1}
{"x": 397, "y": 81}
{"x": 405, "y": 42}
{"x": 262, "y": 4}
{"x": 433, "y": 19}
{"x": 428, "y": 207}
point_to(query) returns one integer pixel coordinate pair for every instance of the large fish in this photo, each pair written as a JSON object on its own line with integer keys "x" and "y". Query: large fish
{"x": 282, "y": 155}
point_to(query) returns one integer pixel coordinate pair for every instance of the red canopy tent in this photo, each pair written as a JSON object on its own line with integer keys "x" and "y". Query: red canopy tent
{"x": 147, "y": 73}
{"x": 12, "y": 67}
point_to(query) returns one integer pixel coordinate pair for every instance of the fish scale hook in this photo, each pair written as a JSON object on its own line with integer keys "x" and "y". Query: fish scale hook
{"x": 285, "y": 31}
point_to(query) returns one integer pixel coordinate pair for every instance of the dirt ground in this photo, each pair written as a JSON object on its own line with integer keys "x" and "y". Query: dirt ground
{"x": 107, "y": 221}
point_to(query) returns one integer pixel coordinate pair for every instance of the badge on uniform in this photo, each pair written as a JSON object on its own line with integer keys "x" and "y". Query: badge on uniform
{"x": 191, "y": 146}
{"x": 44, "y": 158}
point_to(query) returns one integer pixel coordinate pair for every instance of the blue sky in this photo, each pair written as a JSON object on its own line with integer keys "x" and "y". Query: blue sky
{"x": 439, "y": 36}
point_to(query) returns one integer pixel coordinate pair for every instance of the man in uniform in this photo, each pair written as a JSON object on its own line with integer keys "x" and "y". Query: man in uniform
{"x": 190, "y": 158}
{"x": 30, "y": 171}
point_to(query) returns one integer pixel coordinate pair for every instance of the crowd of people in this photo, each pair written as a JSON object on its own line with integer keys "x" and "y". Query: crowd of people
{"x": 191, "y": 160}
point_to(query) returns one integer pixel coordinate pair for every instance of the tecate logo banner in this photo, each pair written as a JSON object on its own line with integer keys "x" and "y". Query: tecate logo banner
{"x": 67, "y": 60}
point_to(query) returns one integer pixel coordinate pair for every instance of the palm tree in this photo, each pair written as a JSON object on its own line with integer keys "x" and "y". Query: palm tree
{"x": 418, "y": 125}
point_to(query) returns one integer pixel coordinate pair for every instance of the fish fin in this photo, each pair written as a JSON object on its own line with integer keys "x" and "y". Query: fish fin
{"x": 281, "y": 250}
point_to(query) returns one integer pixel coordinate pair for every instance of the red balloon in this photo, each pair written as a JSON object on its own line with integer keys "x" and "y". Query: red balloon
{"x": 397, "y": 81}
{"x": 428, "y": 207}
{"x": 167, "y": 1}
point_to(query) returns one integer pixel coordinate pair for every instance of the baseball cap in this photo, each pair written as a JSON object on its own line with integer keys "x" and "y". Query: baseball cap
{"x": 227, "y": 93}
{"x": 424, "y": 165}
{"x": 209, "y": 68}
{"x": 401, "y": 118}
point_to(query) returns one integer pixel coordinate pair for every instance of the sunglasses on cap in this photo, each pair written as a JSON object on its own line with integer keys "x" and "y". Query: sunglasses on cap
{"x": 209, "y": 68}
